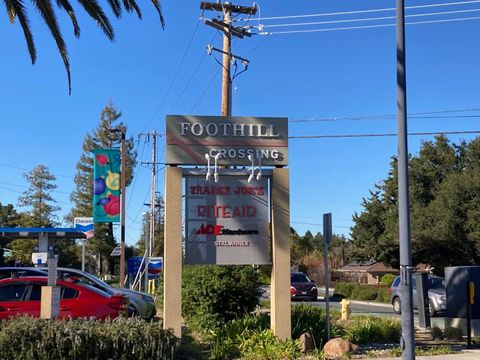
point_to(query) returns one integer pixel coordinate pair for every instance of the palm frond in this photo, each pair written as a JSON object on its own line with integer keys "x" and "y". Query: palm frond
{"x": 46, "y": 11}
{"x": 97, "y": 14}
{"x": 65, "y": 4}
{"x": 15, "y": 8}
{"x": 160, "y": 13}
{"x": 116, "y": 7}
{"x": 131, "y": 5}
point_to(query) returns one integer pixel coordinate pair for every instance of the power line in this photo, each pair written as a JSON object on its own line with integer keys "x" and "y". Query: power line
{"x": 25, "y": 169}
{"x": 174, "y": 76}
{"x": 365, "y": 19}
{"x": 366, "y": 26}
{"x": 362, "y": 11}
{"x": 26, "y": 186}
{"x": 384, "y": 116}
{"x": 206, "y": 89}
{"x": 383, "y": 135}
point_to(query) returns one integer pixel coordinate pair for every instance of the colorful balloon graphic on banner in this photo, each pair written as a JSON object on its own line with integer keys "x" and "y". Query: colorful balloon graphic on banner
{"x": 106, "y": 185}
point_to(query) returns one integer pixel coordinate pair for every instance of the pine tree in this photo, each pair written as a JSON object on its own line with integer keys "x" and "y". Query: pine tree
{"x": 39, "y": 198}
{"x": 106, "y": 135}
{"x": 42, "y": 208}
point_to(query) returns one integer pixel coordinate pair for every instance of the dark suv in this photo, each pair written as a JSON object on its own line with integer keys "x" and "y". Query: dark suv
{"x": 302, "y": 288}
{"x": 437, "y": 295}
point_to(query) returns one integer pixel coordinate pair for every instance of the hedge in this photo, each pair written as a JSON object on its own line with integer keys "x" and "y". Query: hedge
{"x": 26, "y": 338}
{"x": 378, "y": 293}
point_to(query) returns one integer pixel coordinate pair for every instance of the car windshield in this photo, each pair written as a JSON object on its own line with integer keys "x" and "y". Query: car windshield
{"x": 437, "y": 283}
{"x": 299, "y": 278}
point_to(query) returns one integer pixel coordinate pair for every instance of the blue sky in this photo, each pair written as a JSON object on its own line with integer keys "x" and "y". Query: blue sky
{"x": 149, "y": 73}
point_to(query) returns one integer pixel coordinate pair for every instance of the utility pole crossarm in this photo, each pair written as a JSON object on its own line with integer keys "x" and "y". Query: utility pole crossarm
{"x": 228, "y": 30}
{"x": 249, "y": 10}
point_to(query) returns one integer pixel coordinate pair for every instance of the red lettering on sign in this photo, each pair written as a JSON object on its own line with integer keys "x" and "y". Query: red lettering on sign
{"x": 209, "y": 229}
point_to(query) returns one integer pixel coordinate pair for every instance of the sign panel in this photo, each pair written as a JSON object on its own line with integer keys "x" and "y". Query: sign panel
{"x": 190, "y": 138}
{"x": 227, "y": 221}
{"x": 85, "y": 225}
{"x": 117, "y": 251}
{"x": 106, "y": 185}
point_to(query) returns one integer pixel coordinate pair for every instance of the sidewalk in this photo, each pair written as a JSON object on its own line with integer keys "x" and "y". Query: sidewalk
{"x": 464, "y": 355}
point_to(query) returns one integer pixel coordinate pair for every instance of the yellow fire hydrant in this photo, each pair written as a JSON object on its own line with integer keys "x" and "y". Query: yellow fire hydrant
{"x": 345, "y": 309}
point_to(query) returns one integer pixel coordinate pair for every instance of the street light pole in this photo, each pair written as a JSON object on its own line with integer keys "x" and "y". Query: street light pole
{"x": 122, "y": 218}
{"x": 407, "y": 342}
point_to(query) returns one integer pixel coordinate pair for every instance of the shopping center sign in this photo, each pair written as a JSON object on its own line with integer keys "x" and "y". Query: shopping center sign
{"x": 226, "y": 221}
{"x": 191, "y": 138}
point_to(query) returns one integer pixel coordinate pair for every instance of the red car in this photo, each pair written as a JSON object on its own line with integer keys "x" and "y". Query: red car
{"x": 302, "y": 288}
{"x": 21, "y": 296}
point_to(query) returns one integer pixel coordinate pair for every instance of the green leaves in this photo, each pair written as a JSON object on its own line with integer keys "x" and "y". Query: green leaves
{"x": 213, "y": 295}
{"x": 17, "y": 9}
{"x": 444, "y": 204}
{"x": 86, "y": 339}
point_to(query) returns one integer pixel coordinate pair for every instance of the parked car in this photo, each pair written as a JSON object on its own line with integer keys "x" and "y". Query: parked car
{"x": 21, "y": 296}
{"x": 437, "y": 295}
{"x": 302, "y": 288}
{"x": 141, "y": 304}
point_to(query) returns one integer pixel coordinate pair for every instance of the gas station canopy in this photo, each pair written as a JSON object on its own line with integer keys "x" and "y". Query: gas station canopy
{"x": 50, "y": 233}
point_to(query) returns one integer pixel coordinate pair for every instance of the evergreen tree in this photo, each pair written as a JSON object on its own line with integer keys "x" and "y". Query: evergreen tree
{"x": 106, "y": 135}
{"x": 39, "y": 198}
{"x": 9, "y": 216}
{"x": 444, "y": 209}
{"x": 42, "y": 208}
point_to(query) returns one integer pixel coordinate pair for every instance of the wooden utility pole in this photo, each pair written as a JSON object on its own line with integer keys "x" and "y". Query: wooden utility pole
{"x": 150, "y": 243}
{"x": 226, "y": 80}
{"x": 228, "y": 31}
{"x": 122, "y": 218}
{"x": 152, "y": 198}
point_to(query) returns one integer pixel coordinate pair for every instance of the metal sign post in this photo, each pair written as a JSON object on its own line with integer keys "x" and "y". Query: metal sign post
{"x": 327, "y": 237}
{"x": 85, "y": 225}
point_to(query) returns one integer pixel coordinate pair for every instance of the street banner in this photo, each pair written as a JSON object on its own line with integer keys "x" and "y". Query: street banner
{"x": 106, "y": 185}
{"x": 226, "y": 221}
{"x": 85, "y": 225}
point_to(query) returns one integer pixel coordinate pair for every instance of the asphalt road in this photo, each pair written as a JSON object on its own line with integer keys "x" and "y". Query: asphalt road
{"x": 368, "y": 308}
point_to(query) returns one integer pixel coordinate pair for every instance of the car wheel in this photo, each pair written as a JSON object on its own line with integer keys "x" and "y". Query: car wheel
{"x": 397, "y": 305}
{"x": 134, "y": 312}
{"x": 431, "y": 309}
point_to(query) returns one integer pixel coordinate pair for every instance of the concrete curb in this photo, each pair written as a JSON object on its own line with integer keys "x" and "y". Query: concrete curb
{"x": 370, "y": 303}
{"x": 359, "y": 302}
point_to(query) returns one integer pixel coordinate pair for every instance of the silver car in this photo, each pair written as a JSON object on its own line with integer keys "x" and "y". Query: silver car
{"x": 437, "y": 295}
{"x": 141, "y": 304}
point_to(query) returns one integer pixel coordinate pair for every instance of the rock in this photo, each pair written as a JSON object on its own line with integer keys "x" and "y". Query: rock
{"x": 306, "y": 342}
{"x": 339, "y": 347}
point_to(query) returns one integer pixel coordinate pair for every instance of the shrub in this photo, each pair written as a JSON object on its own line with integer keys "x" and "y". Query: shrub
{"x": 387, "y": 279}
{"x": 383, "y": 295}
{"x": 368, "y": 293}
{"x": 213, "y": 295}
{"x": 311, "y": 319}
{"x": 344, "y": 290}
{"x": 362, "y": 292}
{"x": 453, "y": 333}
{"x": 86, "y": 339}
{"x": 437, "y": 333}
{"x": 225, "y": 343}
{"x": 373, "y": 330}
{"x": 263, "y": 345}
